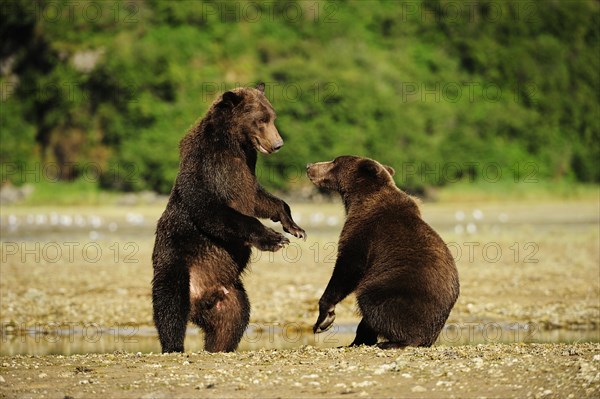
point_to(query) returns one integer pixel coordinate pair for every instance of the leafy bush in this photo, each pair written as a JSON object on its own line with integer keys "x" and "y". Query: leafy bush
{"x": 443, "y": 91}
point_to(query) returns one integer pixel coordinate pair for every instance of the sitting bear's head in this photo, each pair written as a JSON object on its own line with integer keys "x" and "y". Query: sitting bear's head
{"x": 347, "y": 173}
{"x": 253, "y": 116}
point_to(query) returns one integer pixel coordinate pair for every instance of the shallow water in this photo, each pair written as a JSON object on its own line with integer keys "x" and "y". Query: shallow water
{"x": 19, "y": 229}
{"x": 52, "y": 340}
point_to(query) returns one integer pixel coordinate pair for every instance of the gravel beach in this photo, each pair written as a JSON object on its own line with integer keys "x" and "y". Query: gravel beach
{"x": 492, "y": 371}
{"x": 78, "y": 323}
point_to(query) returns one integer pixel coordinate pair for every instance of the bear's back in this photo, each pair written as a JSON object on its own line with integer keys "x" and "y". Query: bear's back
{"x": 405, "y": 253}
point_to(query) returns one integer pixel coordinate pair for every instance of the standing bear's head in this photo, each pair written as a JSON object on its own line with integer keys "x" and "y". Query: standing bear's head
{"x": 251, "y": 115}
{"x": 350, "y": 173}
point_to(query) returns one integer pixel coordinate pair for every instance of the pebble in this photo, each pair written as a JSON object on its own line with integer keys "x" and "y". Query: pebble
{"x": 2, "y": 380}
{"x": 363, "y": 384}
{"x": 478, "y": 362}
{"x": 418, "y": 388}
{"x": 383, "y": 368}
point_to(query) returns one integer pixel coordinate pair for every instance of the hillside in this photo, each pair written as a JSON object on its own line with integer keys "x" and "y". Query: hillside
{"x": 443, "y": 91}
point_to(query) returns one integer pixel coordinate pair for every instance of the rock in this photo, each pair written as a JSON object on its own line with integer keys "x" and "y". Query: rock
{"x": 478, "y": 362}
{"x": 383, "y": 368}
{"x": 363, "y": 384}
{"x": 11, "y": 195}
{"x": 418, "y": 388}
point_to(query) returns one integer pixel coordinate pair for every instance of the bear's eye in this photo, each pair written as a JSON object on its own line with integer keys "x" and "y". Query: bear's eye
{"x": 265, "y": 120}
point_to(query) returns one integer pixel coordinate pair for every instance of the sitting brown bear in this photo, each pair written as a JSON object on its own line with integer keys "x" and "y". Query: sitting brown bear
{"x": 403, "y": 274}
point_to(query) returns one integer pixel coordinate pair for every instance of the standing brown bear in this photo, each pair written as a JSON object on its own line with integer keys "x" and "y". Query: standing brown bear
{"x": 205, "y": 235}
{"x": 403, "y": 274}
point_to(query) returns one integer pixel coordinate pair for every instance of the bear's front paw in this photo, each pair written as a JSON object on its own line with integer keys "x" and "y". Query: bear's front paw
{"x": 325, "y": 320}
{"x": 269, "y": 241}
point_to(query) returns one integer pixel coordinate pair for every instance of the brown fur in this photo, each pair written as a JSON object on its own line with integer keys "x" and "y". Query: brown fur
{"x": 204, "y": 237}
{"x": 402, "y": 272}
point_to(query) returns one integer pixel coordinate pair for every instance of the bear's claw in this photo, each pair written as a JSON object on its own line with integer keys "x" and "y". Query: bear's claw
{"x": 296, "y": 231}
{"x": 325, "y": 321}
{"x": 299, "y": 233}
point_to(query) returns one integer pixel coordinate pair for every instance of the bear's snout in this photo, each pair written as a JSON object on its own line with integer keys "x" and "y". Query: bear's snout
{"x": 277, "y": 145}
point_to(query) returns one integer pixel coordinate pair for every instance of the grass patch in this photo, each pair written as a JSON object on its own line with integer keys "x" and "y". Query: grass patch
{"x": 510, "y": 191}
{"x": 79, "y": 192}
{"x": 86, "y": 193}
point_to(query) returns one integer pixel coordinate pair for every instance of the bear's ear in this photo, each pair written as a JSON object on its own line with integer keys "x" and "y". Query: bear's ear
{"x": 261, "y": 87}
{"x": 390, "y": 170}
{"x": 231, "y": 99}
{"x": 369, "y": 168}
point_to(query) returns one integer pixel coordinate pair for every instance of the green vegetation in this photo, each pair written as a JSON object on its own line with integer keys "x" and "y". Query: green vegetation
{"x": 445, "y": 91}
{"x": 76, "y": 193}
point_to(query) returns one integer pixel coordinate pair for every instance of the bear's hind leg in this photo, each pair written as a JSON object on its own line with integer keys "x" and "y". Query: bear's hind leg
{"x": 171, "y": 305}
{"x": 365, "y": 335}
{"x": 226, "y": 320}
{"x": 392, "y": 345}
